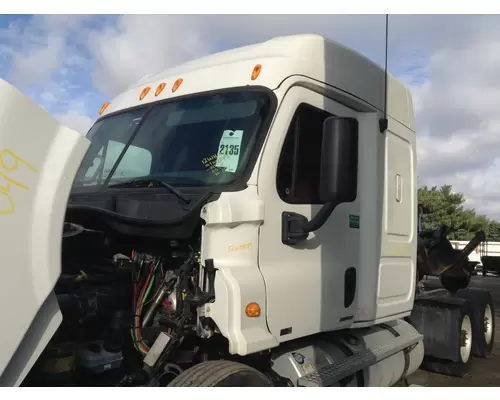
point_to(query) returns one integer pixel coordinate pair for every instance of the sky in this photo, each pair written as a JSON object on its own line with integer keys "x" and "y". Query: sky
{"x": 71, "y": 64}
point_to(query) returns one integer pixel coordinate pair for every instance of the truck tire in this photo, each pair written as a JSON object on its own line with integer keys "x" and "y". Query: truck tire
{"x": 483, "y": 320}
{"x": 221, "y": 373}
{"x": 465, "y": 333}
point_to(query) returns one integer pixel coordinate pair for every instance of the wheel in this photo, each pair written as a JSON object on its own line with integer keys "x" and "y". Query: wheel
{"x": 483, "y": 320}
{"x": 463, "y": 355}
{"x": 484, "y": 273}
{"x": 466, "y": 339}
{"x": 221, "y": 373}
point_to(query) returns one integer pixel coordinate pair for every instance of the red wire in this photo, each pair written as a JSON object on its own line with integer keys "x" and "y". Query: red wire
{"x": 136, "y": 292}
{"x": 146, "y": 286}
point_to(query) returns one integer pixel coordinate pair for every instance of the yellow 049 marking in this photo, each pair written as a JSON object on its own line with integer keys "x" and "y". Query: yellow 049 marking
{"x": 10, "y": 162}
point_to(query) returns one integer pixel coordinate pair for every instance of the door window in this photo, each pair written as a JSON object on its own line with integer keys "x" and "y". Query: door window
{"x": 299, "y": 165}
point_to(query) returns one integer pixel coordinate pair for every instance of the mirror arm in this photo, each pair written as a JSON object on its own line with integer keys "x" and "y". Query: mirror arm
{"x": 296, "y": 227}
{"x": 321, "y": 217}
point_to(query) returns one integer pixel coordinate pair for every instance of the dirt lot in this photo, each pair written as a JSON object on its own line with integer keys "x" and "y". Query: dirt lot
{"x": 484, "y": 372}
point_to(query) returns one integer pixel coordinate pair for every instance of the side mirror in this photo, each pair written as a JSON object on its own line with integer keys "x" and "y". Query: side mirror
{"x": 338, "y": 178}
{"x": 339, "y": 160}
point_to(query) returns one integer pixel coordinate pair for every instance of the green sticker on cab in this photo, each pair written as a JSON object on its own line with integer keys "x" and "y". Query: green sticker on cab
{"x": 353, "y": 221}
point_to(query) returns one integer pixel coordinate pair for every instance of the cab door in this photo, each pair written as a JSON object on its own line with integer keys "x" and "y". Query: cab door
{"x": 39, "y": 159}
{"x": 311, "y": 287}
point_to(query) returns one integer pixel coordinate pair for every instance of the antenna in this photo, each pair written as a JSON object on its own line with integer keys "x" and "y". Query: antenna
{"x": 383, "y": 122}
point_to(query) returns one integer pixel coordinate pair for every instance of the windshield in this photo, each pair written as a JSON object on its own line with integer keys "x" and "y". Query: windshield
{"x": 196, "y": 141}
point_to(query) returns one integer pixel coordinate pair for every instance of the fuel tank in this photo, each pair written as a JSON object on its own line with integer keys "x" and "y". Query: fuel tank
{"x": 381, "y": 355}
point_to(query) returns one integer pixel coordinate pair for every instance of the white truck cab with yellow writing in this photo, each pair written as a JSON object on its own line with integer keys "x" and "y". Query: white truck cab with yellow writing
{"x": 275, "y": 97}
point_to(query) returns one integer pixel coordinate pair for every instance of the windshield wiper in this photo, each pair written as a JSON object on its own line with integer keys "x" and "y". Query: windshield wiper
{"x": 148, "y": 182}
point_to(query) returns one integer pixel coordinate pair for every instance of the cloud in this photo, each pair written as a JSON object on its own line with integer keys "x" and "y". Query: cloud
{"x": 76, "y": 118}
{"x": 72, "y": 64}
{"x": 141, "y": 44}
{"x": 458, "y": 120}
{"x": 39, "y": 47}
{"x": 45, "y": 56}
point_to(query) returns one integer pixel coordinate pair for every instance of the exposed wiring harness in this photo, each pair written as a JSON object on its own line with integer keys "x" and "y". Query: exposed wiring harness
{"x": 151, "y": 284}
{"x": 144, "y": 283}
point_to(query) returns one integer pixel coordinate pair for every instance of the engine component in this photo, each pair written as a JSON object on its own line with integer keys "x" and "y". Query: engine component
{"x": 156, "y": 350}
{"x": 94, "y": 359}
{"x": 165, "y": 288}
{"x": 72, "y": 229}
{"x": 144, "y": 279}
{"x": 170, "y": 304}
{"x": 122, "y": 315}
{"x": 55, "y": 366}
{"x": 171, "y": 371}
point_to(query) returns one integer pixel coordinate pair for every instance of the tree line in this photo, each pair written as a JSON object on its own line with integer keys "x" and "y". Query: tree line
{"x": 443, "y": 206}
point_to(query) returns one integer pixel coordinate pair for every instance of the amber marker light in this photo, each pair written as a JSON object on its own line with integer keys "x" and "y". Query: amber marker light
{"x": 160, "y": 88}
{"x": 256, "y": 72}
{"x": 177, "y": 83}
{"x": 144, "y": 92}
{"x": 252, "y": 310}
{"x": 103, "y": 108}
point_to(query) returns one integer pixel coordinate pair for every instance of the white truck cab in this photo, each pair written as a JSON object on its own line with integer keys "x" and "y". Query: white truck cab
{"x": 271, "y": 189}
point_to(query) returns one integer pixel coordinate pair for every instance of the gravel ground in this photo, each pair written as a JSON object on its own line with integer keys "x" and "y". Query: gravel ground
{"x": 484, "y": 372}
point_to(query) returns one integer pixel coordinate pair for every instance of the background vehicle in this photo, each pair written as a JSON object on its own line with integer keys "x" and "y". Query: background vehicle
{"x": 490, "y": 257}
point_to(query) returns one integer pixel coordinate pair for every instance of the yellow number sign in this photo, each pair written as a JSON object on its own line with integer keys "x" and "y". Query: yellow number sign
{"x": 10, "y": 162}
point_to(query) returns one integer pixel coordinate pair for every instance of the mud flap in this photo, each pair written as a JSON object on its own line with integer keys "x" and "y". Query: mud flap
{"x": 438, "y": 316}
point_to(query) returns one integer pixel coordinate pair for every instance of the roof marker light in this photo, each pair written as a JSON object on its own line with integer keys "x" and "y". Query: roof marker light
{"x": 177, "y": 83}
{"x": 256, "y": 71}
{"x": 103, "y": 108}
{"x": 144, "y": 92}
{"x": 160, "y": 88}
